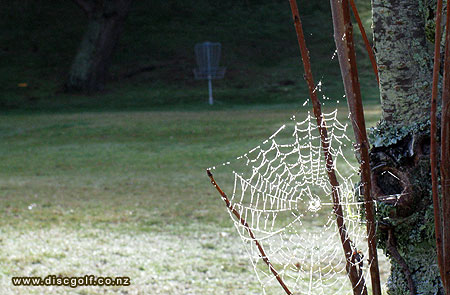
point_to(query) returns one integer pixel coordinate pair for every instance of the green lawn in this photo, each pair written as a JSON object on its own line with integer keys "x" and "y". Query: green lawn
{"x": 126, "y": 193}
{"x": 114, "y": 183}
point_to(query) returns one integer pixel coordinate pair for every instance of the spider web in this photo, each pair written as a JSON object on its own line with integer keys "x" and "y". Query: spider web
{"x": 281, "y": 190}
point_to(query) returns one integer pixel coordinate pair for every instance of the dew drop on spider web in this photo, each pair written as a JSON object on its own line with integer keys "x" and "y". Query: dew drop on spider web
{"x": 282, "y": 191}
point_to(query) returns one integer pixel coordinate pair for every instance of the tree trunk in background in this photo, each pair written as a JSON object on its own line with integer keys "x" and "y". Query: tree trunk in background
{"x": 90, "y": 67}
{"x": 400, "y": 155}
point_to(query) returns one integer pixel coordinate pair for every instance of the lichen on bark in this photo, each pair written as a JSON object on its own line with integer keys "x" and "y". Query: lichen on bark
{"x": 403, "y": 58}
{"x": 400, "y": 154}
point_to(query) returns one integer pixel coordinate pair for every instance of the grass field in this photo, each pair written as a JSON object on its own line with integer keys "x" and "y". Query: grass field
{"x": 126, "y": 194}
{"x": 114, "y": 183}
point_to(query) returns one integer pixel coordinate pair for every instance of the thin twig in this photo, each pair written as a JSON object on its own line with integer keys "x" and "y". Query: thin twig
{"x": 356, "y": 279}
{"x": 86, "y": 5}
{"x": 392, "y": 249}
{"x": 366, "y": 41}
{"x": 343, "y": 36}
{"x": 433, "y": 141}
{"x": 250, "y": 232}
{"x": 445, "y": 159}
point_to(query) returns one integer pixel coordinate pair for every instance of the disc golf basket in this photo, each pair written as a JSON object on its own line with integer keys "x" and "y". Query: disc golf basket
{"x": 208, "y": 57}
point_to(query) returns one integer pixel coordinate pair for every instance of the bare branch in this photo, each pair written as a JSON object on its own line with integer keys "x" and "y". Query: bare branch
{"x": 86, "y": 5}
{"x": 392, "y": 250}
{"x": 343, "y": 36}
{"x": 445, "y": 161}
{"x": 433, "y": 141}
{"x": 357, "y": 281}
{"x": 250, "y": 232}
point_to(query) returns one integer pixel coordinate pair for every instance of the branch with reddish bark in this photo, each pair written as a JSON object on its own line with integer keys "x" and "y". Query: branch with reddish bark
{"x": 366, "y": 41}
{"x": 392, "y": 250}
{"x": 433, "y": 142}
{"x": 356, "y": 278}
{"x": 250, "y": 232}
{"x": 343, "y": 36}
{"x": 445, "y": 161}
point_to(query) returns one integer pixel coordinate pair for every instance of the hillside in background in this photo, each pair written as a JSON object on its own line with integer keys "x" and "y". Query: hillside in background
{"x": 152, "y": 67}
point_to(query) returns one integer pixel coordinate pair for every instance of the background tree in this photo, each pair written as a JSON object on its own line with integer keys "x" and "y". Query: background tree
{"x": 90, "y": 66}
{"x": 400, "y": 154}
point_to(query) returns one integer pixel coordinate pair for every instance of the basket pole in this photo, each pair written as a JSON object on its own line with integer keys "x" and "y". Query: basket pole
{"x": 211, "y": 100}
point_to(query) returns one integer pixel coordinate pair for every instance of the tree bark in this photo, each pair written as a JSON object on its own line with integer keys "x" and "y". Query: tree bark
{"x": 89, "y": 69}
{"x": 404, "y": 60}
{"x": 400, "y": 154}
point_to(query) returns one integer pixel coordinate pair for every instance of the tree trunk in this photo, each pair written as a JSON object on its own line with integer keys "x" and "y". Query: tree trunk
{"x": 90, "y": 67}
{"x": 400, "y": 154}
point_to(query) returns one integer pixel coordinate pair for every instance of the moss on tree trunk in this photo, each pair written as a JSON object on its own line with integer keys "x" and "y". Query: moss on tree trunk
{"x": 400, "y": 154}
